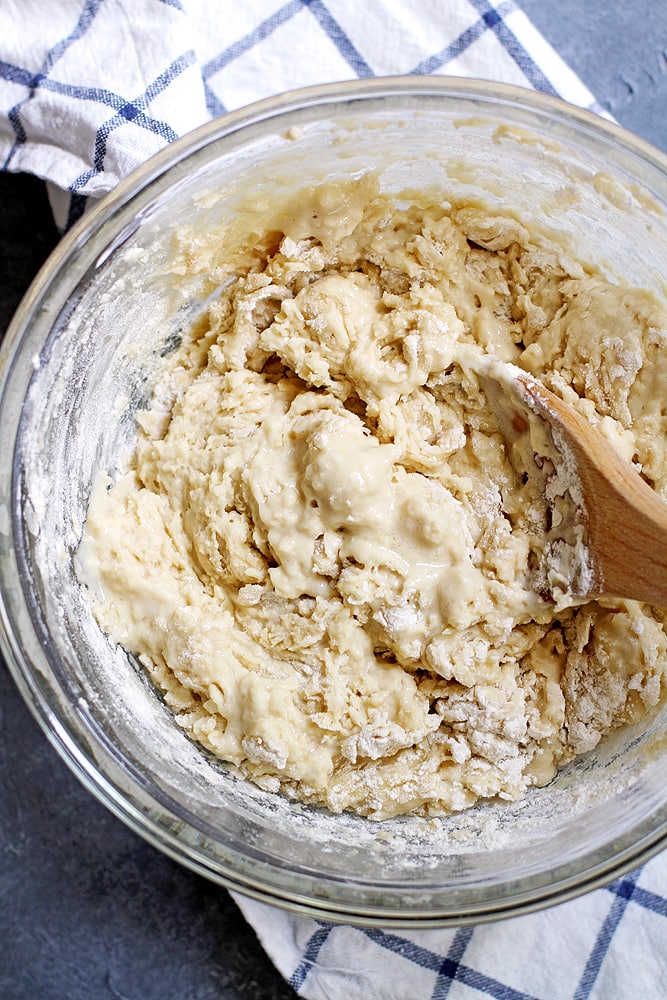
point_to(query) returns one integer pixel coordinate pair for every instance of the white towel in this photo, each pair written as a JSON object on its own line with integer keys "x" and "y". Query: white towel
{"x": 89, "y": 89}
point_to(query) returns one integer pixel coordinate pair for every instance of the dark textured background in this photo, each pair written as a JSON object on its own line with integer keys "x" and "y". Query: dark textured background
{"x": 87, "y": 909}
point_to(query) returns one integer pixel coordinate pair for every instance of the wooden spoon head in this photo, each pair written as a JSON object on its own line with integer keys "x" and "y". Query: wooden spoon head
{"x": 537, "y": 449}
{"x": 612, "y": 540}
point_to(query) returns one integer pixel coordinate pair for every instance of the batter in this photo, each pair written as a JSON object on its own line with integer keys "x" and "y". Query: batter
{"x": 321, "y": 552}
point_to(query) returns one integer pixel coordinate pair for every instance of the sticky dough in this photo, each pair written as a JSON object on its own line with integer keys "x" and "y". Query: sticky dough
{"x": 321, "y": 552}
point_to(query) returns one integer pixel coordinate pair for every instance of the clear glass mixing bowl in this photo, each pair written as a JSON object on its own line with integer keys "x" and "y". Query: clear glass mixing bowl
{"x": 79, "y": 359}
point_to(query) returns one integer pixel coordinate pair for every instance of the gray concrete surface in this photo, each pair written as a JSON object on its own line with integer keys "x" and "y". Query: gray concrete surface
{"x": 619, "y": 50}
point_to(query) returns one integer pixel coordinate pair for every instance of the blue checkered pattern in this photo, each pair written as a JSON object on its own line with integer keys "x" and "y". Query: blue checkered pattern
{"x": 99, "y": 85}
{"x": 609, "y": 945}
{"x": 89, "y": 92}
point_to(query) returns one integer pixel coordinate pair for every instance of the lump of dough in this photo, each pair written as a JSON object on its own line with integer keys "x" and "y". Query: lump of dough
{"x": 321, "y": 551}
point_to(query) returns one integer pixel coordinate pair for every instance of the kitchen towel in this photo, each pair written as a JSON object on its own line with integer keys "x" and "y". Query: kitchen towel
{"x": 88, "y": 91}
{"x": 607, "y": 945}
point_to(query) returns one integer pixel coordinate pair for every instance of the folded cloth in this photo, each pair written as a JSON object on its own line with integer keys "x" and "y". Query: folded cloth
{"x": 609, "y": 945}
{"x": 88, "y": 91}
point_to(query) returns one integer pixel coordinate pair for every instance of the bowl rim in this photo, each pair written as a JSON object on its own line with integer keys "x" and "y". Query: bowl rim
{"x": 565, "y": 886}
{"x": 320, "y": 94}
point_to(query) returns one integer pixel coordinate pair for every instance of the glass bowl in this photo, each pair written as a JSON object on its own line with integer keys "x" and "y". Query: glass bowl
{"x": 78, "y": 361}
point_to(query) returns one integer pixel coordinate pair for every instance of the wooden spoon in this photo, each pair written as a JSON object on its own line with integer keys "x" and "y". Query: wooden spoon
{"x": 624, "y": 521}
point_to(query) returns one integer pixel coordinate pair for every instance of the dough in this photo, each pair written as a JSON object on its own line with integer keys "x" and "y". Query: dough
{"x": 321, "y": 552}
